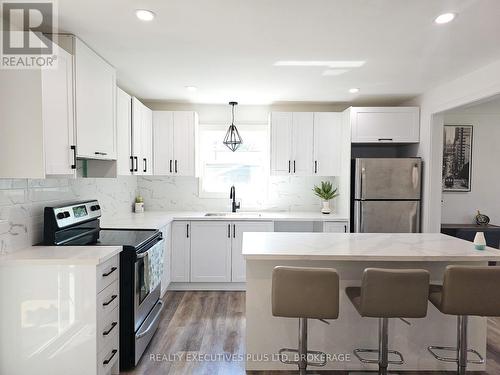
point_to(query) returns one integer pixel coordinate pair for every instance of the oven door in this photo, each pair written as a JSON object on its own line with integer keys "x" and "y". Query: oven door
{"x": 148, "y": 274}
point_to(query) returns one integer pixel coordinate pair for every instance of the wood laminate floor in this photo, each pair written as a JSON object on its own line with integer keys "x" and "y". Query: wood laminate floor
{"x": 213, "y": 323}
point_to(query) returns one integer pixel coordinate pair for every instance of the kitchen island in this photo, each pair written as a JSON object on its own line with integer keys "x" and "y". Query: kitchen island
{"x": 350, "y": 254}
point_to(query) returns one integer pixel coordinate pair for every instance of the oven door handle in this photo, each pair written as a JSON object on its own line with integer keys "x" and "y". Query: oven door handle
{"x": 144, "y": 253}
{"x": 153, "y": 321}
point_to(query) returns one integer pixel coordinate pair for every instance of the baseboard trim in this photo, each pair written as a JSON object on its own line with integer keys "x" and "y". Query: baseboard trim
{"x": 207, "y": 286}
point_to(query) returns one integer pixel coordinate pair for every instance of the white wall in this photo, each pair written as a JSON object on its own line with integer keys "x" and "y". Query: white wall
{"x": 480, "y": 84}
{"x": 461, "y": 207}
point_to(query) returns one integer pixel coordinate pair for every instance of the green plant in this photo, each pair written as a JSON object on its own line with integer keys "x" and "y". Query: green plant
{"x": 326, "y": 191}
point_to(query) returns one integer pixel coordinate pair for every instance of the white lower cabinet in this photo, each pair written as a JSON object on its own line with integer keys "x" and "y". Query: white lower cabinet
{"x": 181, "y": 250}
{"x": 336, "y": 227}
{"x": 210, "y": 251}
{"x": 167, "y": 258}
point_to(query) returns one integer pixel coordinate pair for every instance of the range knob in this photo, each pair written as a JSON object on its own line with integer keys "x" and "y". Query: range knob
{"x": 95, "y": 208}
{"x": 60, "y": 215}
{"x": 66, "y": 214}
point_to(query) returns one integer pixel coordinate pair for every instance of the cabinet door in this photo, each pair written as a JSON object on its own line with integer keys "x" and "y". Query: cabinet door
{"x": 184, "y": 145}
{"x": 302, "y": 140}
{"x": 137, "y": 142}
{"x": 211, "y": 251}
{"x": 336, "y": 227}
{"x": 385, "y": 125}
{"x": 238, "y": 264}
{"x": 95, "y": 104}
{"x": 327, "y": 143}
{"x": 163, "y": 142}
{"x": 147, "y": 141}
{"x": 281, "y": 143}
{"x": 181, "y": 251}
{"x": 58, "y": 117}
{"x": 123, "y": 132}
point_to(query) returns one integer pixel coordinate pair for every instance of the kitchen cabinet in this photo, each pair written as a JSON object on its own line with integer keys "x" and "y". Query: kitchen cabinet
{"x": 327, "y": 144}
{"x": 95, "y": 98}
{"x": 166, "y": 232}
{"x": 384, "y": 124}
{"x": 174, "y": 142}
{"x": 181, "y": 251}
{"x": 238, "y": 263}
{"x": 291, "y": 143}
{"x": 142, "y": 138}
{"x": 124, "y": 161}
{"x": 336, "y": 227}
{"x": 210, "y": 251}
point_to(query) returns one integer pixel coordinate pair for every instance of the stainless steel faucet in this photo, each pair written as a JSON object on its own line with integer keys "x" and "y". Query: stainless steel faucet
{"x": 232, "y": 195}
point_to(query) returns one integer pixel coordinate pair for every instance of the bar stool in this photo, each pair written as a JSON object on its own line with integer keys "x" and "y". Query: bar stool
{"x": 466, "y": 291}
{"x": 305, "y": 293}
{"x": 389, "y": 293}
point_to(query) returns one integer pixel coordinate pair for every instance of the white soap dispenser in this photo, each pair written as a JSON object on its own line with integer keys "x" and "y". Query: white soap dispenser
{"x": 479, "y": 241}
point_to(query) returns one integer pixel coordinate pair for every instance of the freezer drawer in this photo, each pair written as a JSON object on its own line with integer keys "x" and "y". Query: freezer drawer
{"x": 387, "y": 216}
{"x": 387, "y": 178}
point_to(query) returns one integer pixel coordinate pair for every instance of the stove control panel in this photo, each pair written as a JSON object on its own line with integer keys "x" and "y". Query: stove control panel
{"x": 76, "y": 213}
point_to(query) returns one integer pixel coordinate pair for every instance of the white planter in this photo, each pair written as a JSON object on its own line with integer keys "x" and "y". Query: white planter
{"x": 479, "y": 241}
{"x": 326, "y": 207}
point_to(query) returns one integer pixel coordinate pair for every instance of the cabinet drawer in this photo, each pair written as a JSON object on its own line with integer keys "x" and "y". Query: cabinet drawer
{"x": 107, "y": 273}
{"x": 107, "y": 358}
{"x": 107, "y": 327}
{"x": 107, "y": 300}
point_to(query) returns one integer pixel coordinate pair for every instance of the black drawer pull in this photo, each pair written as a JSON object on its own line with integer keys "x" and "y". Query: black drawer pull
{"x": 106, "y": 361}
{"x": 113, "y": 297}
{"x": 385, "y": 139}
{"x": 100, "y": 153}
{"x": 113, "y": 325}
{"x": 113, "y": 269}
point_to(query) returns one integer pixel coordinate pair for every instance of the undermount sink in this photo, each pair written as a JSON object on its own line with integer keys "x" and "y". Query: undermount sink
{"x": 233, "y": 214}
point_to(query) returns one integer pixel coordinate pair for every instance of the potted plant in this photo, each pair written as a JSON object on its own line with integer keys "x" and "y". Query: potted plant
{"x": 326, "y": 192}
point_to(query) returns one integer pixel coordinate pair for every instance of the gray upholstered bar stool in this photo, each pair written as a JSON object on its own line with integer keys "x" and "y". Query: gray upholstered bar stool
{"x": 305, "y": 293}
{"x": 389, "y": 293}
{"x": 466, "y": 291}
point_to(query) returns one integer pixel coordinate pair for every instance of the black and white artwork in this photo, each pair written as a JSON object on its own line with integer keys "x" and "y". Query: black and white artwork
{"x": 457, "y": 158}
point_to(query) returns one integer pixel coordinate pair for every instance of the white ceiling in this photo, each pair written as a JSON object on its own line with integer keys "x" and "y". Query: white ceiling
{"x": 227, "y": 48}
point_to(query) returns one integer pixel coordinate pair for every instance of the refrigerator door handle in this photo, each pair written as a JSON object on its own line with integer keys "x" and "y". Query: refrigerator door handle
{"x": 358, "y": 218}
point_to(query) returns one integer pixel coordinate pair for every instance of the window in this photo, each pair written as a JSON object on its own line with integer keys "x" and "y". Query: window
{"x": 247, "y": 168}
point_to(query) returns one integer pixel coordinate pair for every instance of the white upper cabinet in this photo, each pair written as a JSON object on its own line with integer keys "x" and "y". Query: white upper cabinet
{"x": 142, "y": 138}
{"x": 123, "y": 133}
{"x": 174, "y": 142}
{"x": 58, "y": 120}
{"x": 302, "y": 141}
{"x": 95, "y": 90}
{"x": 281, "y": 143}
{"x": 384, "y": 124}
{"x": 327, "y": 144}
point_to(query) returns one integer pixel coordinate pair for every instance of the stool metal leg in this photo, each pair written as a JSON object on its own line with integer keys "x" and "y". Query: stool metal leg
{"x": 383, "y": 345}
{"x": 462, "y": 344}
{"x": 302, "y": 346}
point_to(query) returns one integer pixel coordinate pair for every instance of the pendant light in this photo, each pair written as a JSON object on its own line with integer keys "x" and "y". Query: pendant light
{"x": 232, "y": 139}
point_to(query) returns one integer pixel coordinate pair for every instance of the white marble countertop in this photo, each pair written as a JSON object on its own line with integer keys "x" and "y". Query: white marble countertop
{"x": 65, "y": 255}
{"x": 158, "y": 219}
{"x": 363, "y": 247}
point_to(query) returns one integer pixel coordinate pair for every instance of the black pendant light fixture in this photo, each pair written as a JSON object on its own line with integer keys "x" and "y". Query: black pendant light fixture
{"x": 232, "y": 139}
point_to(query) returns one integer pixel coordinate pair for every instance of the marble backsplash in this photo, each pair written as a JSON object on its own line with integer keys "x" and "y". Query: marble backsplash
{"x": 284, "y": 193}
{"x": 22, "y": 202}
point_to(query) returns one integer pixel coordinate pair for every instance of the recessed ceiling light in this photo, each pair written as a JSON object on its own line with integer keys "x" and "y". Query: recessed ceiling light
{"x": 144, "y": 14}
{"x": 445, "y": 18}
{"x": 320, "y": 63}
{"x": 354, "y": 90}
{"x": 191, "y": 88}
{"x": 334, "y": 72}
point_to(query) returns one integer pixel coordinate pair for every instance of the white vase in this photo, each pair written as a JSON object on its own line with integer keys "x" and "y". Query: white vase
{"x": 326, "y": 207}
{"x": 479, "y": 241}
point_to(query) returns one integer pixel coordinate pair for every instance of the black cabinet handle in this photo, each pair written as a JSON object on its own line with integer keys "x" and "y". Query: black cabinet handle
{"x": 136, "y": 164}
{"x": 294, "y": 166}
{"x": 113, "y": 269}
{"x": 100, "y": 153}
{"x": 145, "y": 165}
{"x": 175, "y": 166}
{"x": 187, "y": 230}
{"x": 385, "y": 139}
{"x": 234, "y": 230}
{"x": 289, "y": 167}
{"x": 345, "y": 228}
{"x": 113, "y": 297}
{"x": 229, "y": 231}
{"x": 315, "y": 166}
{"x": 170, "y": 166}
{"x": 106, "y": 361}
{"x": 113, "y": 325}
{"x": 73, "y": 166}
{"x": 131, "y": 163}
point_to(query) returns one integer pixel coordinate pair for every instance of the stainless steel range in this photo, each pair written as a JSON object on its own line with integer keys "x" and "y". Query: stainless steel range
{"x": 141, "y": 267}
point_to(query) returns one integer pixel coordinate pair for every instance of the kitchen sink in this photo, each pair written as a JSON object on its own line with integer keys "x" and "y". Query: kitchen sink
{"x": 233, "y": 214}
{"x": 217, "y": 214}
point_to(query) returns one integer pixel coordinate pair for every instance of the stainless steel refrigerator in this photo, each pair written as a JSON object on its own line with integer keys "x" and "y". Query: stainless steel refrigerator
{"x": 386, "y": 195}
